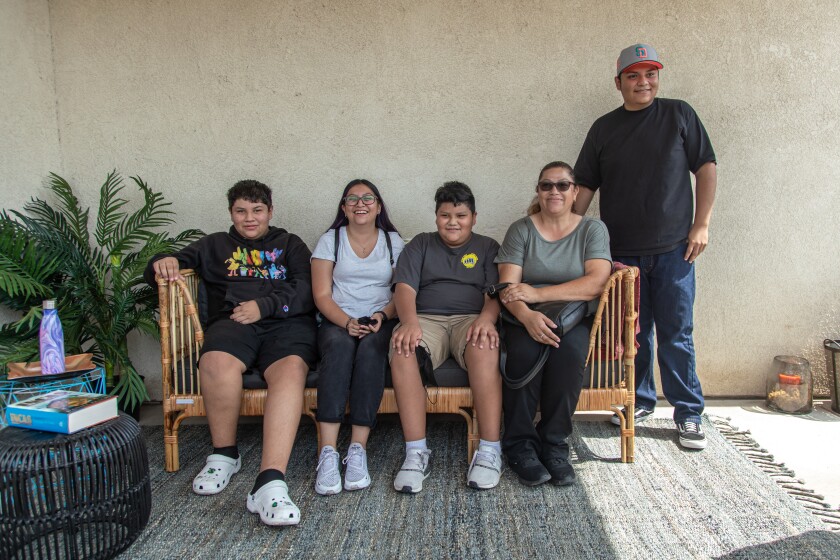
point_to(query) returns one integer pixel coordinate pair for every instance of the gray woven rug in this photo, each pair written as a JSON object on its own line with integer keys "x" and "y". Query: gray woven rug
{"x": 669, "y": 504}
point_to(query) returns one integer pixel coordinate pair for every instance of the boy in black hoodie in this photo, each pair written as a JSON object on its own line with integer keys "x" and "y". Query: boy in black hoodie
{"x": 260, "y": 314}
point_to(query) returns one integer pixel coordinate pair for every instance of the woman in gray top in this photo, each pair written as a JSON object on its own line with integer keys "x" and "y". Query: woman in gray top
{"x": 552, "y": 254}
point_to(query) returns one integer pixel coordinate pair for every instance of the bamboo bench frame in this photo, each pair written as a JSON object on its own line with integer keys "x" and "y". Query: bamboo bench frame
{"x": 610, "y": 363}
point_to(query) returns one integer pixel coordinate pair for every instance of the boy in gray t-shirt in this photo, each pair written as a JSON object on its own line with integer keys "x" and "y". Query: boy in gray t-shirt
{"x": 440, "y": 281}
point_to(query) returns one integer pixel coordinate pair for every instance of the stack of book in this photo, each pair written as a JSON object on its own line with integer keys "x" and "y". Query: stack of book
{"x": 65, "y": 412}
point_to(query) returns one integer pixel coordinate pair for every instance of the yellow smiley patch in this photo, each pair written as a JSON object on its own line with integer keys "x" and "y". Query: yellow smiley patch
{"x": 469, "y": 260}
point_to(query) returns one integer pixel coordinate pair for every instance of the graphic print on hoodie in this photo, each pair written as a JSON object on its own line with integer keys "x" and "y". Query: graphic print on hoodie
{"x": 272, "y": 271}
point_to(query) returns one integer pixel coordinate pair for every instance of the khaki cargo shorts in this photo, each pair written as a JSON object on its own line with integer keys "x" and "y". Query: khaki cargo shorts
{"x": 443, "y": 336}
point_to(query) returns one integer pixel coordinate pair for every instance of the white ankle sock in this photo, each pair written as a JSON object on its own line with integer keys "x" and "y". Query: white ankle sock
{"x": 496, "y": 445}
{"x": 416, "y": 444}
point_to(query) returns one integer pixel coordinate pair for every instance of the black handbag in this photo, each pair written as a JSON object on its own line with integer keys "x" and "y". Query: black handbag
{"x": 565, "y": 314}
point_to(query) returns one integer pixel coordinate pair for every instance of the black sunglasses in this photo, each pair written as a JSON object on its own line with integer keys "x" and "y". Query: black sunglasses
{"x": 562, "y": 186}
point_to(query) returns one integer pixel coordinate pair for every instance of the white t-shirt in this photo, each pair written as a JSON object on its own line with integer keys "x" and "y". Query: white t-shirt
{"x": 361, "y": 286}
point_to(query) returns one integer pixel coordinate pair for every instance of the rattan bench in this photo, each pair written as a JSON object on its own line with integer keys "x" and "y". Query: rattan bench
{"x": 611, "y": 356}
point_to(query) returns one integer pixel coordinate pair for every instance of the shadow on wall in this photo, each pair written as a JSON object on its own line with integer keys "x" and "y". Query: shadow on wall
{"x": 813, "y": 545}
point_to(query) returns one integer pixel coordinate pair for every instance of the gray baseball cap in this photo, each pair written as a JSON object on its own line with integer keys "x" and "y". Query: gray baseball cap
{"x": 639, "y": 53}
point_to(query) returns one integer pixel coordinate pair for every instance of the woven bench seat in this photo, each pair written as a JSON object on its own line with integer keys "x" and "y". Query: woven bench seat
{"x": 611, "y": 355}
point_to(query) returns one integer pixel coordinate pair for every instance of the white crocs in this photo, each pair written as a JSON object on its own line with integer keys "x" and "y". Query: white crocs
{"x": 215, "y": 475}
{"x": 273, "y": 504}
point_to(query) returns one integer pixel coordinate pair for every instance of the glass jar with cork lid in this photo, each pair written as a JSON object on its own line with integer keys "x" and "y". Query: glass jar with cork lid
{"x": 790, "y": 385}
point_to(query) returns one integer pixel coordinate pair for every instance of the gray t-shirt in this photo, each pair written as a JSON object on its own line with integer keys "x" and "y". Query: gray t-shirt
{"x": 546, "y": 263}
{"x": 448, "y": 281}
{"x": 361, "y": 286}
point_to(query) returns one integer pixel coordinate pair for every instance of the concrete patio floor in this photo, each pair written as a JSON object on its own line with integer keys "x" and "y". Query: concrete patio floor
{"x": 808, "y": 444}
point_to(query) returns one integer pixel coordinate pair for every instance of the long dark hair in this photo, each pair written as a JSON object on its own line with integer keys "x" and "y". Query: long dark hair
{"x": 383, "y": 222}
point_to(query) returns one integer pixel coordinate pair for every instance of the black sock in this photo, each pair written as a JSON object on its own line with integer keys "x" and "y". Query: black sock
{"x": 266, "y": 476}
{"x": 231, "y": 451}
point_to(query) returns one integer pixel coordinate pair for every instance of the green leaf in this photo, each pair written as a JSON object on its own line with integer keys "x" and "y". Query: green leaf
{"x": 109, "y": 216}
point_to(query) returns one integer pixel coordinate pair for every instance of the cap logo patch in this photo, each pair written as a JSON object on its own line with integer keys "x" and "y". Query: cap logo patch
{"x": 641, "y": 52}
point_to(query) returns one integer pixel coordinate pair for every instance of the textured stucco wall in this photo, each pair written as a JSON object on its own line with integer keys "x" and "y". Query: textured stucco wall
{"x": 307, "y": 95}
{"x": 28, "y": 127}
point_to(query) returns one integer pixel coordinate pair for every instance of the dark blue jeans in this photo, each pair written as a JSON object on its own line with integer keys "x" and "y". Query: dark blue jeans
{"x": 354, "y": 368}
{"x": 667, "y": 303}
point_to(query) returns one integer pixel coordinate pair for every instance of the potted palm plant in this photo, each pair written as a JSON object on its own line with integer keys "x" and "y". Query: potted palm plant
{"x": 94, "y": 271}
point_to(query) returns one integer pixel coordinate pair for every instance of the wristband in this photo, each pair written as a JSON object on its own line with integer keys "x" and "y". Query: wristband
{"x": 347, "y": 325}
{"x": 384, "y": 316}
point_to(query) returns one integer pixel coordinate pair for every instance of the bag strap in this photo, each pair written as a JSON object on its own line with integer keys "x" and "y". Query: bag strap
{"x": 390, "y": 248}
{"x": 528, "y": 377}
{"x": 387, "y": 242}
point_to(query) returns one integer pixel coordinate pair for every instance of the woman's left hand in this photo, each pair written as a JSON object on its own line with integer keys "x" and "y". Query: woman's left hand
{"x": 520, "y": 292}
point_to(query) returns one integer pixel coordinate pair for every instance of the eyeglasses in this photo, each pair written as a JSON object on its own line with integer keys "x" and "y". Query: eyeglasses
{"x": 353, "y": 200}
{"x": 562, "y": 186}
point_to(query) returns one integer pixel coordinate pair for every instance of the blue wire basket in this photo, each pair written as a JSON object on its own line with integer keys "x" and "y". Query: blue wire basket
{"x": 14, "y": 390}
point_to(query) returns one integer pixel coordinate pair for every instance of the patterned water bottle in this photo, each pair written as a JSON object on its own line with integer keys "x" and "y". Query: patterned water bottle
{"x": 52, "y": 340}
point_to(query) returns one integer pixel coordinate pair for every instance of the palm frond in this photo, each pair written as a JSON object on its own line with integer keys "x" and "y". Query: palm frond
{"x": 16, "y": 280}
{"x": 148, "y": 325}
{"x": 76, "y": 216}
{"x": 51, "y": 230}
{"x": 29, "y": 323}
{"x": 140, "y": 225}
{"x": 109, "y": 215}
{"x": 17, "y": 347}
{"x": 130, "y": 389}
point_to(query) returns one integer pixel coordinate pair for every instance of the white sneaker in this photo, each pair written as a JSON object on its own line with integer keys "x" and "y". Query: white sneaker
{"x": 356, "y": 474}
{"x": 328, "y": 481}
{"x": 485, "y": 469}
{"x": 415, "y": 469}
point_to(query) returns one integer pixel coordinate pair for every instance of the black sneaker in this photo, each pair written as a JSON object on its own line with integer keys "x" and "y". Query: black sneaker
{"x": 530, "y": 470}
{"x": 561, "y": 471}
{"x": 639, "y": 416}
{"x": 691, "y": 435}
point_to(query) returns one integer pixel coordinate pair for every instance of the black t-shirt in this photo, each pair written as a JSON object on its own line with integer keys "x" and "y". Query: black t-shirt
{"x": 641, "y": 161}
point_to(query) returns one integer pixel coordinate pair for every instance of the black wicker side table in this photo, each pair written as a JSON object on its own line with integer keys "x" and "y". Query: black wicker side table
{"x": 83, "y": 495}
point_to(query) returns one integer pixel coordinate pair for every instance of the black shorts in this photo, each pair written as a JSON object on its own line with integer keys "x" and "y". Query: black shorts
{"x": 262, "y": 343}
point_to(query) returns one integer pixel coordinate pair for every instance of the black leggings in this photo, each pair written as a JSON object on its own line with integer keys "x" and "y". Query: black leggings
{"x": 556, "y": 389}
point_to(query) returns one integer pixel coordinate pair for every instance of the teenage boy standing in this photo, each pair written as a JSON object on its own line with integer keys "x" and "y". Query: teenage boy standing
{"x": 440, "y": 281}
{"x": 641, "y": 157}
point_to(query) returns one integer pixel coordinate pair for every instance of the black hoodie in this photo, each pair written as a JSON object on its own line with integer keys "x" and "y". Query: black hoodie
{"x": 273, "y": 271}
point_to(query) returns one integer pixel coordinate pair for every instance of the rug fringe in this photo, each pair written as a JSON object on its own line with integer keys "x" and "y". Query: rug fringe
{"x": 784, "y": 477}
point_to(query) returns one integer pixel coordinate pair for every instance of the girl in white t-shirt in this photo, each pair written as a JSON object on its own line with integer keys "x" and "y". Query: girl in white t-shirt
{"x": 351, "y": 284}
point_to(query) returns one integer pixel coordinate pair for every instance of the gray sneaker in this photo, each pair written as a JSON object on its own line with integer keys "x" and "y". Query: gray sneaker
{"x": 485, "y": 469}
{"x": 415, "y": 469}
{"x": 639, "y": 416}
{"x": 356, "y": 474}
{"x": 328, "y": 481}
